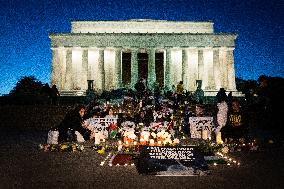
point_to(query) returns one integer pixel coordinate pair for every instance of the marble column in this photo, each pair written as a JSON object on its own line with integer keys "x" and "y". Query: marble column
{"x": 68, "y": 77}
{"x": 84, "y": 76}
{"x": 200, "y": 66}
{"x": 63, "y": 67}
{"x": 223, "y": 60}
{"x": 185, "y": 68}
{"x": 101, "y": 69}
{"x": 55, "y": 75}
{"x": 193, "y": 68}
{"x": 77, "y": 67}
{"x": 209, "y": 82}
{"x": 134, "y": 67}
{"x": 118, "y": 68}
{"x": 231, "y": 70}
{"x": 216, "y": 68}
{"x": 151, "y": 69}
{"x": 168, "y": 84}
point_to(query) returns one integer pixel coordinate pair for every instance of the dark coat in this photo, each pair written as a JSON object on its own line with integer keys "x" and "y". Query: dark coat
{"x": 71, "y": 123}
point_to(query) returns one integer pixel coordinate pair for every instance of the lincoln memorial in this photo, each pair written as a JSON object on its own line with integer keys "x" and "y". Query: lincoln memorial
{"x": 115, "y": 54}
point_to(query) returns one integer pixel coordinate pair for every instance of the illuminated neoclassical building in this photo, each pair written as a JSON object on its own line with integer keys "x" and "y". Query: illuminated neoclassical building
{"x": 116, "y": 54}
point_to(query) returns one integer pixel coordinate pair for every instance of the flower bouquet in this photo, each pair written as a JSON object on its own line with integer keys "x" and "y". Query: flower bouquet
{"x": 64, "y": 147}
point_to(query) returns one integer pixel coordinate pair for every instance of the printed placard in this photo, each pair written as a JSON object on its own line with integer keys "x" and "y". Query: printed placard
{"x": 166, "y": 160}
{"x": 199, "y": 124}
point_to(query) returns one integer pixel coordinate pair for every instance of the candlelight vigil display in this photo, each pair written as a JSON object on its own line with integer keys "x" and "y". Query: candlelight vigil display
{"x": 156, "y": 133}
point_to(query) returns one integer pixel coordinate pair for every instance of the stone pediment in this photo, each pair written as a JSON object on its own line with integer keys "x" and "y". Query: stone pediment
{"x": 141, "y": 26}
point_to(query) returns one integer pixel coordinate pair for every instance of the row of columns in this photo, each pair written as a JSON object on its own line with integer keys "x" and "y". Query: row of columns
{"x": 72, "y": 67}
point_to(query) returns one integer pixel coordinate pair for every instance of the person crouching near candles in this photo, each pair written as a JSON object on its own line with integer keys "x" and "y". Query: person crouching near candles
{"x": 72, "y": 122}
{"x": 236, "y": 128}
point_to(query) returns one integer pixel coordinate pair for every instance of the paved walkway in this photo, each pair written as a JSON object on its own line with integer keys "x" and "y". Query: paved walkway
{"x": 23, "y": 165}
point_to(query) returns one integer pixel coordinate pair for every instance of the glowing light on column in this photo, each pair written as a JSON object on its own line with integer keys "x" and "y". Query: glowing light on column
{"x": 176, "y": 67}
{"x": 76, "y": 67}
{"x": 223, "y": 67}
{"x": 208, "y": 68}
{"x": 93, "y": 67}
{"x": 109, "y": 66}
{"x": 192, "y": 68}
{"x": 63, "y": 66}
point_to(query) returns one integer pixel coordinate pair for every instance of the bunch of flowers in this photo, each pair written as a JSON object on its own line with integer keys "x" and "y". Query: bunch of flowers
{"x": 64, "y": 147}
{"x": 129, "y": 137}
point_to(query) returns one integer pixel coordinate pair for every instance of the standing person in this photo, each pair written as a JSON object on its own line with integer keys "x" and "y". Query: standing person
{"x": 236, "y": 127}
{"x": 140, "y": 88}
{"x": 72, "y": 122}
{"x": 222, "y": 113}
{"x": 54, "y": 94}
{"x": 180, "y": 92}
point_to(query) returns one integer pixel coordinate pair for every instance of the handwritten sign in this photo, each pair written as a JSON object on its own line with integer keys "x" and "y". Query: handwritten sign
{"x": 104, "y": 121}
{"x": 156, "y": 159}
{"x": 101, "y": 125}
{"x": 199, "y": 125}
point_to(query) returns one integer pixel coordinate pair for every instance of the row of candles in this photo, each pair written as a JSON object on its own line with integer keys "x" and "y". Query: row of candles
{"x": 206, "y": 136}
{"x": 151, "y": 142}
{"x": 144, "y": 141}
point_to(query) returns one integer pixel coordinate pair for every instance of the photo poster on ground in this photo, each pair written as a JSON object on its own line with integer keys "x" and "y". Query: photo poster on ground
{"x": 162, "y": 160}
{"x": 199, "y": 124}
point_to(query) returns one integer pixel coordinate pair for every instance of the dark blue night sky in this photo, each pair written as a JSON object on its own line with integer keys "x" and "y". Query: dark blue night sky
{"x": 25, "y": 24}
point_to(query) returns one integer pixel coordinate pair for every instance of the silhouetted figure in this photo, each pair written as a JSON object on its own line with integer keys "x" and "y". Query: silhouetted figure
{"x": 199, "y": 93}
{"x": 230, "y": 98}
{"x": 221, "y": 95}
{"x": 180, "y": 92}
{"x": 140, "y": 88}
{"x": 54, "y": 94}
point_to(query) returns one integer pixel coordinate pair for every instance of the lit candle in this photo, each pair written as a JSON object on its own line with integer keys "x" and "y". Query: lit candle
{"x": 219, "y": 138}
{"x": 97, "y": 138}
{"x": 119, "y": 147}
{"x": 204, "y": 134}
{"x": 146, "y": 137}
{"x": 142, "y": 141}
{"x": 151, "y": 142}
{"x": 135, "y": 143}
{"x": 159, "y": 142}
{"x": 127, "y": 143}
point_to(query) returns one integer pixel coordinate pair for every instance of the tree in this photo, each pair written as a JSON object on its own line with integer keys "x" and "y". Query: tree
{"x": 27, "y": 85}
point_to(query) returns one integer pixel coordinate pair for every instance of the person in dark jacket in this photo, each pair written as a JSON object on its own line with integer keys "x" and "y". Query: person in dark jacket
{"x": 73, "y": 121}
{"x": 237, "y": 126}
{"x": 54, "y": 93}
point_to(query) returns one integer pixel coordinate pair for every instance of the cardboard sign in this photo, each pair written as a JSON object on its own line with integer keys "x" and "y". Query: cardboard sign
{"x": 199, "y": 125}
{"x": 160, "y": 160}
